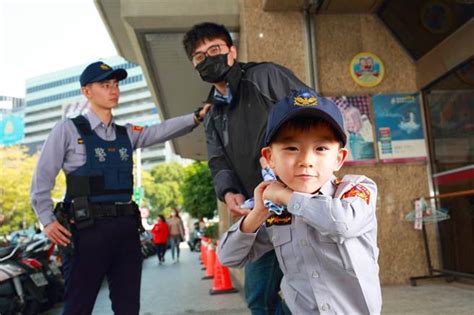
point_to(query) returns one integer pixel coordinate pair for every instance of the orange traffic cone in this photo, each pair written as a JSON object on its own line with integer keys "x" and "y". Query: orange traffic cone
{"x": 204, "y": 244}
{"x": 222, "y": 283}
{"x": 210, "y": 262}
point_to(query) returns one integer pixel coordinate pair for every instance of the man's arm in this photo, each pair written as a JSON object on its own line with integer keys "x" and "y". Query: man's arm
{"x": 44, "y": 178}
{"x": 166, "y": 130}
{"x": 226, "y": 184}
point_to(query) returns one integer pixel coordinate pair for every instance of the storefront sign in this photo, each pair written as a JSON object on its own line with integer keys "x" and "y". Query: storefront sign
{"x": 399, "y": 128}
{"x": 367, "y": 69}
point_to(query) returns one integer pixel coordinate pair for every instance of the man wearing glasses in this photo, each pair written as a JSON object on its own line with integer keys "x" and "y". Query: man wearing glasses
{"x": 242, "y": 94}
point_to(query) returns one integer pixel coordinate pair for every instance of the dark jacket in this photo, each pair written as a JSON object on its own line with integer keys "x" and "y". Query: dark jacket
{"x": 235, "y": 132}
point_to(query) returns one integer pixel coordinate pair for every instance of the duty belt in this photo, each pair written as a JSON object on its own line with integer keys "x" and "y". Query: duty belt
{"x": 99, "y": 210}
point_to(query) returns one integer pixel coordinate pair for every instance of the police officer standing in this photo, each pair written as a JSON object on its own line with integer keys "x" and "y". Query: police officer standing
{"x": 96, "y": 156}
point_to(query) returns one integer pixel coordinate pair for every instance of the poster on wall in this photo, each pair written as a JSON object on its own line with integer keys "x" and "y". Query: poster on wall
{"x": 358, "y": 127}
{"x": 399, "y": 128}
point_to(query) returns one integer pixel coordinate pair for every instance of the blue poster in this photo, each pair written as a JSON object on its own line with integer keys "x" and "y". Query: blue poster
{"x": 399, "y": 127}
{"x": 11, "y": 129}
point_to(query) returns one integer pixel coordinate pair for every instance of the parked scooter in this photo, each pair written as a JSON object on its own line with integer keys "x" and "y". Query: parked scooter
{"x": 26, "y": 278}
{"x": 195, "y": 238}
{"x": 41, "y": 250}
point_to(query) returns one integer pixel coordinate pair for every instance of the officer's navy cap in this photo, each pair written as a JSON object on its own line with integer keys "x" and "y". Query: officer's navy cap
{"x": 305, "y": 103}
{"x": 99, "y": 71}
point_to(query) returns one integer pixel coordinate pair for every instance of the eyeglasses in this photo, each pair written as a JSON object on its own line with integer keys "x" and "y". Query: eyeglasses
{"x": 199, "y": 57}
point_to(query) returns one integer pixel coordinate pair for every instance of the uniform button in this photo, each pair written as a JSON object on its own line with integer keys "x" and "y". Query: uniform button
{"x": 296, "y": 206}
{"x": 315, "y": 274}
{"x": 303, "y": 242}
{"x": 325, "y": 307}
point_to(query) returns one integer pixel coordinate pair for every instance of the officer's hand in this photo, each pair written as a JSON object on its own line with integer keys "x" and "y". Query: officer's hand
{"x": 233, "y": 202}
{"x": 278, "y": 193}
{"x": 204, "y": 110}
{"x": 57, "y": 233}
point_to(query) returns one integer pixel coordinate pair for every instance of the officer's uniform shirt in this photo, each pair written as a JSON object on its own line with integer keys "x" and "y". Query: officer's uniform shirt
{"x": 326, "y": 245}
{"x": 63, "y": 150}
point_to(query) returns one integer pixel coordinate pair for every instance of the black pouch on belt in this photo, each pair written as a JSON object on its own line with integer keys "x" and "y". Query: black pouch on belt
{"x": 82, "y": 212}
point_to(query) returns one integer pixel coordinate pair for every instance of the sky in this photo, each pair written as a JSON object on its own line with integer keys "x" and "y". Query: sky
{"x": 43, "y": 36}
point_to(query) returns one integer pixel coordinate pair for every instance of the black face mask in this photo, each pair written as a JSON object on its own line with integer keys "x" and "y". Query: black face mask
{"x": 213, "y": 69}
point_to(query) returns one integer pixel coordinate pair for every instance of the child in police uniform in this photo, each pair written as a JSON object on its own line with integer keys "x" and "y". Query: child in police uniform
{"x": 326, "y": 236}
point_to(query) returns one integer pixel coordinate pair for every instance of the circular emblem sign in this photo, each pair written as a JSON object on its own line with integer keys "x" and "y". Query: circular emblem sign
{"x": 367, "y": 69}
{"x": 436, "y": 17}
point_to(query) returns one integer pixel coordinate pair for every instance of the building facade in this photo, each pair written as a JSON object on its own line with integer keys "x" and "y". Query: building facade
{"x": 380, "y": 59}
{"x": 54, "y": 96}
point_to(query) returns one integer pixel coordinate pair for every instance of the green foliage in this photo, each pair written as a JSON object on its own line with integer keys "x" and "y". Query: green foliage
{"x": 212, "y": 231}
{"x": 163, "y": 187}
{"x": 198, "y": 191}
{"x": 17, "y": 169}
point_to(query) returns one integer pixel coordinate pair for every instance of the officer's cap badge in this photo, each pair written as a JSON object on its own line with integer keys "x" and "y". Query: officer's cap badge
{"x": 105, "y": 67}
{"x": 305, "y": 99}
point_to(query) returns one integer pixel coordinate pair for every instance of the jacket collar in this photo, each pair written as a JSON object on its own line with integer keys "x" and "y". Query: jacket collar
{"x": 233, "y": 78}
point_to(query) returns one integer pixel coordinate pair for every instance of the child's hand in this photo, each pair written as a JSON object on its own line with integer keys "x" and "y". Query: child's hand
{"x": 277, "y": 193}
{"x": 258, "y": 197}
{"x": 259, "y": 213}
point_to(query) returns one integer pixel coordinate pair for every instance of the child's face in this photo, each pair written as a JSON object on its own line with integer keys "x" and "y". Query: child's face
{"x": 305, "y": 160}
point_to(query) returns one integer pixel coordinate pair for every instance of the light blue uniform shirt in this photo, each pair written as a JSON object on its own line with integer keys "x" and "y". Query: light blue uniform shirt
{"x": 61, "y": 150}
{"x": 326, "y": 246}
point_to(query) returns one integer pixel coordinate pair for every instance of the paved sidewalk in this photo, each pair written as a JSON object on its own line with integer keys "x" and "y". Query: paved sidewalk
{"x": 174, "y": 289}
{"x": 177, "y": 289}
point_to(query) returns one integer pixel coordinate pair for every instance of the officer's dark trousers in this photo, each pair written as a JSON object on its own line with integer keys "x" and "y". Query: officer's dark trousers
{"x": 111, "y": 249}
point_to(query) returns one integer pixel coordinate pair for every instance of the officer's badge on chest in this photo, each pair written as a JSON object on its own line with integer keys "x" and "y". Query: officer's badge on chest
{"x": 283, "y": 219}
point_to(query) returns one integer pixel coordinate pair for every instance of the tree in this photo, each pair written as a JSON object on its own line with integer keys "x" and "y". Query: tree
{"x": 17, "y": 169}
{"x": 198, "y": 192}
{"x": 163, "y": 188}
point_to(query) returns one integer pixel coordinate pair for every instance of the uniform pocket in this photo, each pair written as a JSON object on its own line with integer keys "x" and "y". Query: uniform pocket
{"x": 335, "y": 253}
{"x": 282, "y": 241}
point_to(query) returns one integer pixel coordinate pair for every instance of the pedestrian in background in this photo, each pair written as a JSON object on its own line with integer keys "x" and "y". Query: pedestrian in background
{"x": 176, "y": 228}
{"x": 160, "y": 233}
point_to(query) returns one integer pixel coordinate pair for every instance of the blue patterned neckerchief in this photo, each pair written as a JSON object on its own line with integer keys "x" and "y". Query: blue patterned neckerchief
{"x": 267, "y": 175}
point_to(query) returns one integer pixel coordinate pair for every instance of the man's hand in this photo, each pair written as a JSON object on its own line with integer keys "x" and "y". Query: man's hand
{"x": 277, "y": 193}
{"x": 204, "y": 111}
{"x": 233, "y": 202}
{"x": 57, "y": 233}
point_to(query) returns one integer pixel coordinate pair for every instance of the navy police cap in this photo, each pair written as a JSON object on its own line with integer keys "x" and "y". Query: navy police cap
{"x": 307, "y": 103}
{"x": 99, "y": 71}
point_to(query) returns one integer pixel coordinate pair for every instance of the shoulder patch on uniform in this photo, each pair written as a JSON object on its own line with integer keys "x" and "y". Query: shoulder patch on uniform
{"x": 137, "y": 128}
{"x": 80, "y": 141}
{"x": 282, "y": 219}
{"x": 358, "y": 191}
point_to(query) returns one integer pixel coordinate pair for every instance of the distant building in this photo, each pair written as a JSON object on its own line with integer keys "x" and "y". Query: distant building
{"x": 11, "y": 120}
{"x": 54, "y": 96}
